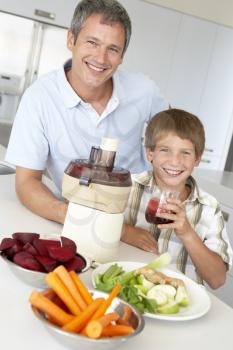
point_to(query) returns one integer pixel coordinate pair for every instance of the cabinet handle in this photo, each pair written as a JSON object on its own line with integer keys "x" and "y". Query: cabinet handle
{"x": 44, "y": 14}
{"x": 225, "y": 216}
{"x": 205, "y": 160}
{"x": 209, "y": 150}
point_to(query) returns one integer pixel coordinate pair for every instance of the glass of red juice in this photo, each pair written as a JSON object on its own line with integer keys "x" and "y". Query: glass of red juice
{"x": 153, "y": 208}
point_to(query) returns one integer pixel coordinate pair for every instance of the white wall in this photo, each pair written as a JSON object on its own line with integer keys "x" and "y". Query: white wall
{"x": 219, "y": 11}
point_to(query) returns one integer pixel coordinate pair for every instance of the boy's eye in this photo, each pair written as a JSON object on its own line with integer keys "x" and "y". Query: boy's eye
{"x": 163, "y": 149}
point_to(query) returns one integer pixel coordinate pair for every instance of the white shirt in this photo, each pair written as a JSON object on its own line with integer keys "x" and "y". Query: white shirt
{"x": 53, "y": 125}
{"x": 203, "y": 212}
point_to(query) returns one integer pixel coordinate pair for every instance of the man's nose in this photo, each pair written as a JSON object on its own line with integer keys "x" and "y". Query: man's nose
{"x": 101, "y": 55}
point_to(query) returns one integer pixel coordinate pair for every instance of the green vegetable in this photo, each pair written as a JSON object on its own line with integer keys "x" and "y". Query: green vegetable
{"x": 171, "y": 307}
{"x": 168, "y": 290}
{"x": 182, "y": 296}
{"x": 161, "y": 261}
{"x": 113, "y": 271}
{"x": 160, "y": 297}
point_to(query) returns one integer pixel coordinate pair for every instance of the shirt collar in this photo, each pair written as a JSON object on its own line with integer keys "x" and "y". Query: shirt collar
{"x": 70, "y": 97}
{"x": 146, "y": 179}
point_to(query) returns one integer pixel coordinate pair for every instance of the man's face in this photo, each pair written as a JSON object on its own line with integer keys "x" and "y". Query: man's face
{"x": 97, "y": 52}
{"x": 173, "y": 161}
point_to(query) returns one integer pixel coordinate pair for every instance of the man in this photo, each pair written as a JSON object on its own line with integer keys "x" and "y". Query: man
{"x": 66, "y": 112}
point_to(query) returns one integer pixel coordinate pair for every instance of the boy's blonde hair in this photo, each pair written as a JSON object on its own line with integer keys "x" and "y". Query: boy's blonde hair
{"x": 176, "y": 121}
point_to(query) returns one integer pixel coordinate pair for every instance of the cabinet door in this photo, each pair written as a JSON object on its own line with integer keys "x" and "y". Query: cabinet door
{"x": 154, "y": 33}
{"x": 190, "y": 63}
{"x": 53, "y": 12}
{"x": 217, "y": 104}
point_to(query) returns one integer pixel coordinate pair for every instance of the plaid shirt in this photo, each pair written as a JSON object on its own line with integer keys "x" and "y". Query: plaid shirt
{"x": 203, "y": 212}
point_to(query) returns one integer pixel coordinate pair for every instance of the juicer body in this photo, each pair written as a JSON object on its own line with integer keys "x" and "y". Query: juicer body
{"x": 97, "y": 194}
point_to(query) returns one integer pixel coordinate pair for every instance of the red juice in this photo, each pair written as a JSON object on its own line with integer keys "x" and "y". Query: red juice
{"x": 151, "y": 211}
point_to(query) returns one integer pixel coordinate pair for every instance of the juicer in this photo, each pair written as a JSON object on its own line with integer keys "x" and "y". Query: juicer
{"x": 97, "y": 193}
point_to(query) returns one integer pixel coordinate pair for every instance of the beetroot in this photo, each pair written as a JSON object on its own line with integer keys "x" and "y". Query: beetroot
{"x": 50, "y": 242}
{"x": 28, "y": 247}
{"x": 48, "y": 263}
{"x": 27, "y": 261}
{"x": 7, "y": 243}
{"x": 61, "y": 254}
{"x": 40, "y": 247}
{"x": 25, "y": 237}
{"x": 76, "y": 264}
{"x": 66, "y": 242}
{"x": 27, "y": 250}
{"x": 16, "y": 248}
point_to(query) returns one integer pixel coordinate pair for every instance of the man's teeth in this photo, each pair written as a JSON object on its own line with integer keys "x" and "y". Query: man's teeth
{"x": 95, "y": 68}
{"x": 173, "y": 172}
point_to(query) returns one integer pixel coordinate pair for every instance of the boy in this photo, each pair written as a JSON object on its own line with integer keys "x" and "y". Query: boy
{"x": 196, "y": 238}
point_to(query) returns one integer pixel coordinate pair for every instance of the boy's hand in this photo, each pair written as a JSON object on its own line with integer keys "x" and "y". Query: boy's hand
{"x": 180, "y": 222}
{"x": 139, "y": 238}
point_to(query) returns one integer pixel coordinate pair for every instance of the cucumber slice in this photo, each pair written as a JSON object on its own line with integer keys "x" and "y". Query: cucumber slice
{"x": 170, "y": 291}
{"x": 160, "y": 297}
{"x": 171, "y": 307}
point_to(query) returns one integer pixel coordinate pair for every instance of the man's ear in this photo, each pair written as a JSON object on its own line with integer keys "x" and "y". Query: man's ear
{"x": 149, "y": 154}
{"x": 70, "y": 40}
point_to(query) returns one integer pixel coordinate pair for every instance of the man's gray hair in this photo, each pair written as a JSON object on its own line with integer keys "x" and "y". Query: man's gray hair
{"x": 111, "y": 11}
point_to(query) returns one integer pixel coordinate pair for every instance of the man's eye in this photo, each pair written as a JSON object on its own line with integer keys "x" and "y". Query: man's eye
{"x": 163, "y": 150}
{"x": 114, "y": 49}
{"x": 91, "y": 42}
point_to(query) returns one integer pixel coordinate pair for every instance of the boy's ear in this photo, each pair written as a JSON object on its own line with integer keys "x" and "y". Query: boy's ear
{"x": 197, "y": 162}
{"x": 149, "y": 154}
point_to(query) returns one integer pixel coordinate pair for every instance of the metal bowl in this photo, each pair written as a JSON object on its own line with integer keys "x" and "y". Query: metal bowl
{"x": 33, "y": 278}
{"x": 76, "y": 341}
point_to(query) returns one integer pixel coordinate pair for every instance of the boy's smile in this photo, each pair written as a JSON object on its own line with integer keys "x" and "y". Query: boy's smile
{"x": 173, "y": 161}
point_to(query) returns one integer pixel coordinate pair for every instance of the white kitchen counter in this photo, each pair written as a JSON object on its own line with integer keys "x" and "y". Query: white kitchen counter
{"x": 21, "y": 330}
{"x": 217, "y": 183}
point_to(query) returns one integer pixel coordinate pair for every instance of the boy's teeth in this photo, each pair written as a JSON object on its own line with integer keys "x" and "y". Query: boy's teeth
{"x": 173, "y": 172}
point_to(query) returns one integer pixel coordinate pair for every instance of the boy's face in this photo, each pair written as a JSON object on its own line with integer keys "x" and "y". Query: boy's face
{"x": 173, "y": 161}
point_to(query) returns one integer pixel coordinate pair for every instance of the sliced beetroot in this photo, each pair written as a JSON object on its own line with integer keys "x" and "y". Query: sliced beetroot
{"x": 76, "y": 264}
{"x": 50, "y": 242}
{"x": 7, "y": 243}
{"x": 48, "y": 263}
{"x": 27, "y": 261}
{"x": 67, "y": 242}
{"x": 25, "y": 237}
{"x": 16, "y": 248}
{"x": 40, "y": 247}
{"x": 61, "y": 254}
{"x": 28, "y": 247}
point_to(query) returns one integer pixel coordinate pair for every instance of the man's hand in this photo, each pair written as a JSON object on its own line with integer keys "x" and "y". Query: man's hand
{"x": 139, "y": 238}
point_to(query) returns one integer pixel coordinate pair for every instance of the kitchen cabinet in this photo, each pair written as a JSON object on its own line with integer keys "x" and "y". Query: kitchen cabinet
{"x": 46, "y": 11}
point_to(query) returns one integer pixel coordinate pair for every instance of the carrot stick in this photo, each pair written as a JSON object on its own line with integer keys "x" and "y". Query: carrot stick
{"x": 95, "y": 328}
{"x": 80, "y": 321}
{"x": 60, "y": 289}
{"x": 127, "y": 315}
{"x": 87, "y": 297}
{"x": 48, "y": 293}
{"x": 59, "y": 316}
{"x": 103, "y": 308}
{"x": 116, "y": 330}
{"x": 70, "y": 285}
